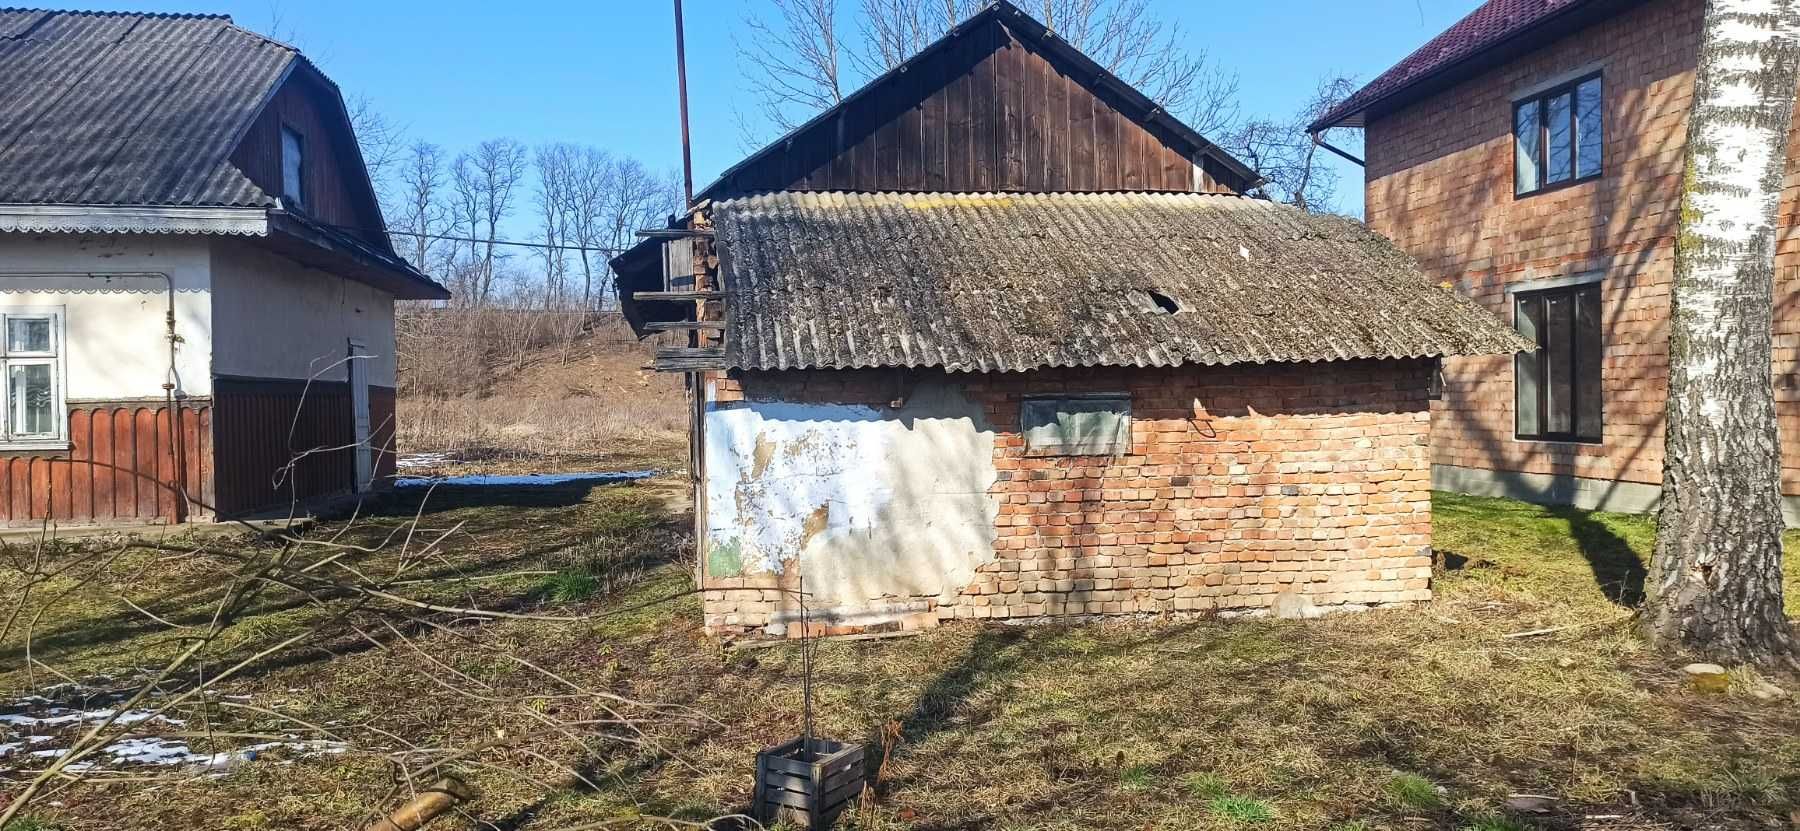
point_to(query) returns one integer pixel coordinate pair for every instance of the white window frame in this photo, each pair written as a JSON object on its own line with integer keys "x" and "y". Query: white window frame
{"x": 58, "y": 361}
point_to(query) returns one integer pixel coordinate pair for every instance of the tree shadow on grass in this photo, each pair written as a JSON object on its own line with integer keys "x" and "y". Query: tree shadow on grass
{"x": 1616, "y": 565}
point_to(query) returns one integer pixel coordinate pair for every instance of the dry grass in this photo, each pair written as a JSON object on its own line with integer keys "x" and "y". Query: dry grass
{"x": 549, "y": 432}
{"x": 588, "y": 405}
{"x": 1425, "y": 718}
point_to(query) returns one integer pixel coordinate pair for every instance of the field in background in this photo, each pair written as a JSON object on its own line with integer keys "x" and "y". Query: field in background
{"x": 535, "y": 391}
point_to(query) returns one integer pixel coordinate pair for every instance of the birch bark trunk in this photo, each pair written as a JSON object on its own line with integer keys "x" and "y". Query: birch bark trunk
{"x": 1715, "y": 581}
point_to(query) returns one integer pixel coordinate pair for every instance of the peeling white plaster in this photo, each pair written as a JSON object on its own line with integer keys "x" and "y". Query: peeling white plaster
{"x": 872, "y": 503}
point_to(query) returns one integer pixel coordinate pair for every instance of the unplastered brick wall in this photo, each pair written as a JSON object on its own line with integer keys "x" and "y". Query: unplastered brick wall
{"x": 1440, "y": 183}
{"x": 1294, "y": 488}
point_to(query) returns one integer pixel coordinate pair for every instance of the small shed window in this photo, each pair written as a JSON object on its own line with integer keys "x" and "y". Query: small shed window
{"x": 293, "y": 167}
{"x": 1098, "y": 425}
{"x": 32, "y": 363}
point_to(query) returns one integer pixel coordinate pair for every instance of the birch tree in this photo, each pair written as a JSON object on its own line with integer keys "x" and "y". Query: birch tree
{"x": 1715, "y": 581}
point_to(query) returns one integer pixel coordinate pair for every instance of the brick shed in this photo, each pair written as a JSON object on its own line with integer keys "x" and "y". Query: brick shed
{"x": 919, "y": 396}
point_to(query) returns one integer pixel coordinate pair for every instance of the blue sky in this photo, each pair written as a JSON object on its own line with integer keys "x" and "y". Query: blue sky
{"x": 602, "y": 73}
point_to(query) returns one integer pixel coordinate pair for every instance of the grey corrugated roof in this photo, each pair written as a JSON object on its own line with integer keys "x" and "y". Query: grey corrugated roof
{"x": 1005, "y": 282}
{"x": 129, "y": 109}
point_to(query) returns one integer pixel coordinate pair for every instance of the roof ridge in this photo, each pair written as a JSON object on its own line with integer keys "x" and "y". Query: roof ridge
{"x": 111, "y": 13}
{"x": 990, "y": 193}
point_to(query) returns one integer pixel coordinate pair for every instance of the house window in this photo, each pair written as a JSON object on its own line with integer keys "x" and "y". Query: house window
{"x": 1097, "y": 425}
{"x": 1558, "y": 137}
{"x": 1557, "y": 388}
{"x": 293, "y": 165}
{"x": 32, "y": 366}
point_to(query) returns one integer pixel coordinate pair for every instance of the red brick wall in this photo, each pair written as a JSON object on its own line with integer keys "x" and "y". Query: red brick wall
{"x": 1242, "y": 483}
{"x": 1440, "y": 184}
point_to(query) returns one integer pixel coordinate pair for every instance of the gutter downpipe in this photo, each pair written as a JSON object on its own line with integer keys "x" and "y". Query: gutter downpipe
{"x": 177, "y": 445}
{"x": 1319, "y": 139}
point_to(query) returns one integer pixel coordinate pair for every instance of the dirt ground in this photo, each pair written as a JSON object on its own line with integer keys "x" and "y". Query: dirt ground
{"x": 1433, "y": 717}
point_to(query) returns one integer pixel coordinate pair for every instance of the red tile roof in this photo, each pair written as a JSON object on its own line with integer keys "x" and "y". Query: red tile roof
{"x": 1495, "y": 23}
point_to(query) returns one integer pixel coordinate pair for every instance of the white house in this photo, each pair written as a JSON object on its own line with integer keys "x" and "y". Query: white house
{"x": 196, "y": 285}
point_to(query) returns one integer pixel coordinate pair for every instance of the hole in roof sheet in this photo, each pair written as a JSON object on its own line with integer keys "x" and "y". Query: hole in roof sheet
{"x": 1152, "y": 300}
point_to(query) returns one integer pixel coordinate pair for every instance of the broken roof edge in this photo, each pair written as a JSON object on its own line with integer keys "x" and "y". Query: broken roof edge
{"x": 1039, "y": 34}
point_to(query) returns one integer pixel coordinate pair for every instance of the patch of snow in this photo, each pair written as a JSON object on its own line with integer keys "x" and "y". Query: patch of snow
{"x": 411, "y": 460}
{"x": 530, "y": 480}
{"x": 57, "y": 716}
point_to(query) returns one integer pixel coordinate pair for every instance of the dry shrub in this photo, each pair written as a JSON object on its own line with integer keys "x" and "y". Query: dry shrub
{"x": 531, "y": 384}
{"x": 535, "y": 426}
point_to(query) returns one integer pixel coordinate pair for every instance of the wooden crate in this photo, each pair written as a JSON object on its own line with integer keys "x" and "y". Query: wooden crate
{"x": 808, "y": 786}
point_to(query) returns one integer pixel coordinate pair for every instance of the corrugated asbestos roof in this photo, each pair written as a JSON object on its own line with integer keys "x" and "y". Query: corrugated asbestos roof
{"x": 1492, "y": 23}
{"x": 129, "y": 109}
{"x": 1006, "y": 282}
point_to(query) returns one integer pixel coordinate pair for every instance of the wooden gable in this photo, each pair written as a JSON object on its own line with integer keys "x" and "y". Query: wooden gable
{"x": 337, "y": 187}
{"x": 998, "y": 105}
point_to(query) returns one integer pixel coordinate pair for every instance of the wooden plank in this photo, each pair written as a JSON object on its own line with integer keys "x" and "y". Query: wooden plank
{"x": 932, "y": 127}
{"x": 1132, "y": 151}
{"x": 909, "y": 171}
{"x": 959, "y": 133}
{"x": 1106, "y": 147}
{"x": 1056, "y": 128}
{"x": 20, "y": 479}
{"x": 985, "y": 126}
{"x": 679, "y": 295}
{"x": 784, "y": 781}
{"x": 675, "y": 233}
{"x": 124, "y": 460}
{"x": 81, "y": 466}
{"x": 1083, "y": 170}
{"x": 840, "y": 175}
{"x": 841, "y": 793}
{"x": 1036, "y": 110}
{"x": 789, "y": 798}
{"x": 100, "y": 457}
{"x": 148, "y": 451}
{"x": 1010, "y": 95}
{"x": 684, "y": 326}
{"x": 790, "y": 766}
{"x": 40, "y": 488}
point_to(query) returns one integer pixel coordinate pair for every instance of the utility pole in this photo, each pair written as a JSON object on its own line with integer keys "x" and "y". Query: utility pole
{"x": 687, "y": 148}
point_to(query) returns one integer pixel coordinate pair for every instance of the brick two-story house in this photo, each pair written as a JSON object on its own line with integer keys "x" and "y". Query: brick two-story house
{"x": 1532, "y": 156}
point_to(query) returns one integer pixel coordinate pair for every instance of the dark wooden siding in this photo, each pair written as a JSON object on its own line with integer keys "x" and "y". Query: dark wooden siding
{"x": 990, "y": 113}
{"x": 280, "y": 442}
{"x": 335, "y": 189}
{"x": 383, "y": 422}
{"x": 120, "y": 468}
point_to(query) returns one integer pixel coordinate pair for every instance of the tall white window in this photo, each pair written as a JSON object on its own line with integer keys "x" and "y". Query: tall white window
{"x": 33, "y": 368}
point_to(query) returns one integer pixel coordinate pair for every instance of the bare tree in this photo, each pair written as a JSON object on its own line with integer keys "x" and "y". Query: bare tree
{"x": 556, "y": 179}
{"x": 380, "y": 141}
{"x": 420, "y": 214}
{"x": 1150, "y": 53}
{"x": 795, "y": 60}
{"x": 1715, "y": 582}
{"x": 592, "y": 181}
{"x": 465, "y": 220}
{"x": 1286, "y": 154}
{"x": 486, "y": 181}
{"x": 636, "y": 198}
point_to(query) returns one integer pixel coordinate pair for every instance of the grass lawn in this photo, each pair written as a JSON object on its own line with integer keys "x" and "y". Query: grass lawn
{"x": 1416, "y": 718}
